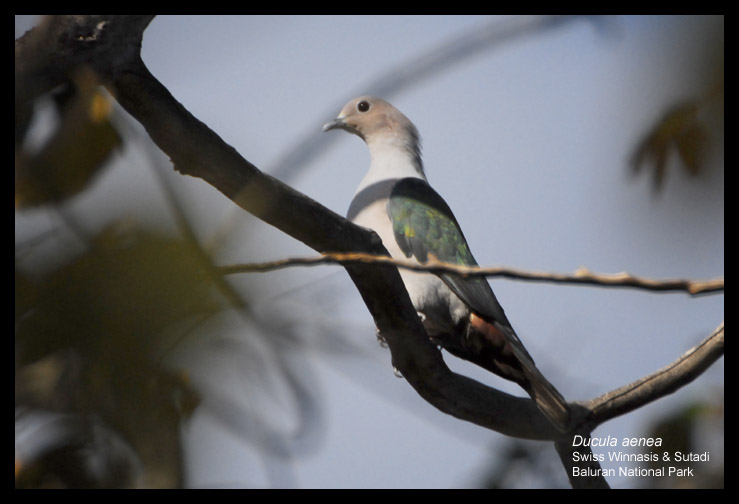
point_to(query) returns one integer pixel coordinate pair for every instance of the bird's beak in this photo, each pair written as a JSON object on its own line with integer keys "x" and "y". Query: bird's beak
{"x": 336, "y": 123}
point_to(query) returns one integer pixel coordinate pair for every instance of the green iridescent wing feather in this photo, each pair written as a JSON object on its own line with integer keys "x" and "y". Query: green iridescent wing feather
{"x": 423, "y": 224}
{"x": 422, "y": 229}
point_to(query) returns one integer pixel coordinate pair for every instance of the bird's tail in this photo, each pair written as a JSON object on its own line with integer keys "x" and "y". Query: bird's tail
{"x": 546, "y": 397}
{"x": 501, "y": 352}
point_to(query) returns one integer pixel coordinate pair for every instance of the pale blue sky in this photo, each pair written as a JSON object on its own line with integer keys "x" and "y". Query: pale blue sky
{"x": 529, "y": 143}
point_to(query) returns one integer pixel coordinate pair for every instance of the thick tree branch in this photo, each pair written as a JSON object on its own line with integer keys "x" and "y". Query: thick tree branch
{"x": 581, "y": 277}
{"x": 587, "y": 466}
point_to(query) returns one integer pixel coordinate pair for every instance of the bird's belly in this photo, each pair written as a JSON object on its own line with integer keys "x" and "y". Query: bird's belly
{"x": 441, "y": 309}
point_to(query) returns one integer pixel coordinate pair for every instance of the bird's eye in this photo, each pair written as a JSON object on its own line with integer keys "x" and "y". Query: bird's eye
{"x": 363, "y": 106}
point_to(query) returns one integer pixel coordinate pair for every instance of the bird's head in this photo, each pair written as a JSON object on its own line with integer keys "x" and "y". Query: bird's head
{"x": 374, "y": 119}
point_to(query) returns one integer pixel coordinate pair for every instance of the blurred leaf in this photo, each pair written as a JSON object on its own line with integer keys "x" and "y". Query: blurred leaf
{"x": 678, "y": 128}
{"x": 76, "y": 152}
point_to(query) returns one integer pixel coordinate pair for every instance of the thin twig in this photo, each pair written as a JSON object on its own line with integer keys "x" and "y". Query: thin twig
{"x": 580, "y": 276}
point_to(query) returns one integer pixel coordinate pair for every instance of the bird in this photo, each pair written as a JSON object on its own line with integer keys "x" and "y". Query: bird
{"x": 460, "y": 314}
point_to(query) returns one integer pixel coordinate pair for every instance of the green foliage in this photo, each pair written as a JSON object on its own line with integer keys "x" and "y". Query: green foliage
{"x": 678, "y": 129}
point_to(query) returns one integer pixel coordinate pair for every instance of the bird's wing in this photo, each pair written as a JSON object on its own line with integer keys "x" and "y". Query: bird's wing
{"x": 424, "y": 225}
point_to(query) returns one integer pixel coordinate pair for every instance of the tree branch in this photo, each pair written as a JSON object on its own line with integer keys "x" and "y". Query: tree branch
{"x": 582, "y": 276}
{"x": 662, "y": 382}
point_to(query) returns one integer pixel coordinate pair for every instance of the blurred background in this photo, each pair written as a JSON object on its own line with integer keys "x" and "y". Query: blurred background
{"x": 558, "y": 143}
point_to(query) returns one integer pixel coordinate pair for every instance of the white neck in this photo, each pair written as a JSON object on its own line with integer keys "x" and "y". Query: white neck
{"x": 388, "y": 160}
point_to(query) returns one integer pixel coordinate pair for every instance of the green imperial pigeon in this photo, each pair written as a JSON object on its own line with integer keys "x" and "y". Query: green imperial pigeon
{"x": 395, "y": 200}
